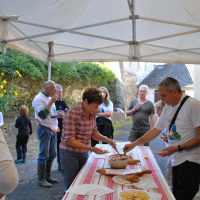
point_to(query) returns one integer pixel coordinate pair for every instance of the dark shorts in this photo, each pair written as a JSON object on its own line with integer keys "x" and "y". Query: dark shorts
{"x": 185, "y": 180}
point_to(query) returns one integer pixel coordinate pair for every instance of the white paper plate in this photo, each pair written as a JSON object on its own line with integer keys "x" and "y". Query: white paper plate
{"x": 151, "y": 198}
{"x": 146, "y": 181}
{"x": 121, "y": 180}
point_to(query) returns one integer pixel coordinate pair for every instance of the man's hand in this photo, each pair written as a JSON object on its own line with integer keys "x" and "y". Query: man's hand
{"x": 137, "y": 107}
{"x": 169, "y": 151}
{"x": 165, "y": 138}
{"x": 110, "y": 142}
{"x": 97, "y": 150}
{"x": 54, "y": 98}
{"x": 128, "y": 147}
{"x": 61, "y": 114}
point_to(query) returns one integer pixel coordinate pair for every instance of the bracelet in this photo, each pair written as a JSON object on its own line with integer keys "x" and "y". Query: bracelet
{"x": 103, "y": 140}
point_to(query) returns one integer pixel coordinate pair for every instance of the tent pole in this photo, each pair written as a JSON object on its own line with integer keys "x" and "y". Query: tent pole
{"x": 26, "y": 36}
{"x": 168, "y": 22}
{"x": 133, "y": 20}
{"x": 133, "y": 25}
{"x": 72, "y": 29}
{"x": 169, "y": 36}
{"x": 4, "y": 48}
{"x": 49, "y": 69}
{"x": 129, "y": 5}
{"x": 50, "y": 44}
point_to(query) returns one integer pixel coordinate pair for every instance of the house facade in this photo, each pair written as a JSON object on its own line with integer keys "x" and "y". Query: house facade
{"x": 181, "y": 72}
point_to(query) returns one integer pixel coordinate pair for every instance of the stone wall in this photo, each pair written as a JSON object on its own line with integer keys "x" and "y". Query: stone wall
{"x": 118, "y": 117}
{"x": 129, "y": 85}
{"x": 117, "y": 95}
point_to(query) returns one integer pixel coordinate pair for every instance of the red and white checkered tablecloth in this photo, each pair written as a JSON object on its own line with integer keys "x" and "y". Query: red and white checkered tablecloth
{"x": 88, "y": 175}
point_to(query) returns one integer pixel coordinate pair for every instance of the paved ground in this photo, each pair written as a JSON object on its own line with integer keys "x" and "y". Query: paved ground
{"x": 156, "y": 146}
{"x": 28, "y": 189}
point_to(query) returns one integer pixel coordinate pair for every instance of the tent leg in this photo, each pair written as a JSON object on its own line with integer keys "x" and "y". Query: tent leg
{"x": 49, "y": 69}
{"x": 4, "y": 48}
{"x": 133, "y": 21}
{"x": 133, "y": 25}
{"x": 50, "y": 44}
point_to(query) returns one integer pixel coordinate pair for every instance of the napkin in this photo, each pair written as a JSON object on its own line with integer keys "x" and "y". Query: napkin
{"x": 89, "y": 189}
{"x": 156, "y": 196}
{"x": 99, "y": 156}
{"x": 146, "y": 182}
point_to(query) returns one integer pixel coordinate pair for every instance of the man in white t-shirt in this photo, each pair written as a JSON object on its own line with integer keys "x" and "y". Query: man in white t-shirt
{"x": 46, "y": 116}
{"x": 184, "y": 138}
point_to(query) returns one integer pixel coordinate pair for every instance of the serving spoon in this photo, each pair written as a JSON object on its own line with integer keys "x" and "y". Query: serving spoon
{"x": 117, "y": 151}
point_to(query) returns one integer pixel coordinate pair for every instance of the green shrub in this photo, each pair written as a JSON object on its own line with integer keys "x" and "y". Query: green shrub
{"x": 34, "y": 72}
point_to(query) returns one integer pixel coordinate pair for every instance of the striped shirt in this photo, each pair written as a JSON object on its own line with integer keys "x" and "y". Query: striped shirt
{"x": 77, "y": 126}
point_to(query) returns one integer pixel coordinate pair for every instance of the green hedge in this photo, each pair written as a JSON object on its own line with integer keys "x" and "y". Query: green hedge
{"x": 34, "y": 72}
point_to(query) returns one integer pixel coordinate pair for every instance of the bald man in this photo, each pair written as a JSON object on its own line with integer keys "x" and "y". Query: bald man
{"x": 46, "y": 116}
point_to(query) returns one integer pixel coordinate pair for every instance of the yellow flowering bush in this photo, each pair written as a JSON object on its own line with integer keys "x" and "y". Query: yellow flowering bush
{"x": 7, "y": 92}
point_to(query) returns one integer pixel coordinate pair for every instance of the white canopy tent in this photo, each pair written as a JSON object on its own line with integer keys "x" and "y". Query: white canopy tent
{"x": 165, "y": 31}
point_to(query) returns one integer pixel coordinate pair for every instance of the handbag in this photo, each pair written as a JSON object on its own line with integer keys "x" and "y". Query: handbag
{"x": 175, "y": 115}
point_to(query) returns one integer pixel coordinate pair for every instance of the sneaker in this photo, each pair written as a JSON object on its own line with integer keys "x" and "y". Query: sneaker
{"x": 18, "y": 160}
{"x": 24, "y": 161}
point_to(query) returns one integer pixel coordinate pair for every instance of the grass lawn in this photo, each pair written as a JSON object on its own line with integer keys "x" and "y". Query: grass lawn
{"x": 118, "y": 125}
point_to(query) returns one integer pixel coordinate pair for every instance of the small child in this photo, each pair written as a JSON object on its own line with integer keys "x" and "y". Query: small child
{"x": 22, "y": 123}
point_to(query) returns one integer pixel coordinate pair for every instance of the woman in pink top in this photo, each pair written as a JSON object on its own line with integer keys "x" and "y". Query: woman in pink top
{"x": 79, "y": 125}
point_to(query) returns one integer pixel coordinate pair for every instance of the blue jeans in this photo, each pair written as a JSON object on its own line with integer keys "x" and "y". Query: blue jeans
{"x": 71, "y": 163}
{"x": 48, "y": 144}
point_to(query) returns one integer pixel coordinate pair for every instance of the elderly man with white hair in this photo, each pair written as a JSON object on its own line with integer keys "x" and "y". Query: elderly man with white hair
{"x": 141, "y": 109}
{"x": 46, "y": 116}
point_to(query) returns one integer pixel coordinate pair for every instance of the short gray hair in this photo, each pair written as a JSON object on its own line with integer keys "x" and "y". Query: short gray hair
{"x": 144, "y": 86}
{"x": 58, "y": 86}
{"x": 170, "y": 84}
{"x": 47, "y": 84}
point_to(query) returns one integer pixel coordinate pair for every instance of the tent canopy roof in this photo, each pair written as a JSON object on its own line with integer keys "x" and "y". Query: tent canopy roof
{"x": 103, "y": 30}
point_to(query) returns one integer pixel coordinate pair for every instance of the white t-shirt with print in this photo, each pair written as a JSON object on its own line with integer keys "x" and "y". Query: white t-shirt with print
{"x": 164, "y": 132}
{"x": 106, "y": 109}
{"x": 183, "y": 130}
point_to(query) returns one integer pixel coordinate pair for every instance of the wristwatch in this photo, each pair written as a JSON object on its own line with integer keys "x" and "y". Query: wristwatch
{"x": 180, "y": 149}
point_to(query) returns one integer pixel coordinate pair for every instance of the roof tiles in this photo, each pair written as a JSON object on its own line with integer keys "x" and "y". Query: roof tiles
{"x": 181, "y": 72}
